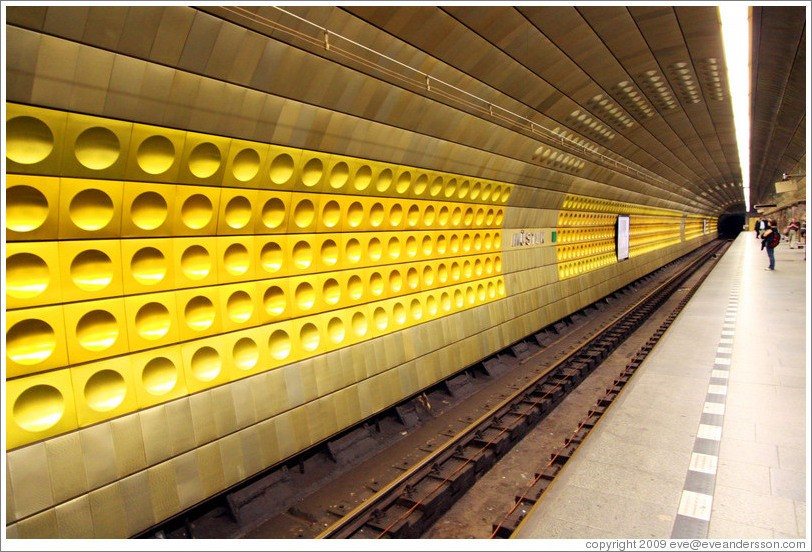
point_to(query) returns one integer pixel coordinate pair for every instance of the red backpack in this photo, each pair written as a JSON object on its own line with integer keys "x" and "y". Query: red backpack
{"x": 773, "y": 239}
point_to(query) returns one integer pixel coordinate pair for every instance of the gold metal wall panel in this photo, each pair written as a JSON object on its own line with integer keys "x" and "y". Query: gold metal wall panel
{"x": 250, "y": 450}
{"x": 30, "y": 477}
{"x": 40, "y": 526}
{"x": 128, "y": 442}
{"x": 163, "y": 490}
{"x": 187, "y": 476}
{"x": 65, "y": 469}
{"x": 74, "y": 519}
{"x": 107, "y": 510}
{"x": 210, "y": 468}
{"x": 135, "y": 491}
{"x": 181, "y": 430}
{"x": 155, "y": 431}
{"x": 231, "y": 455}
{"x": 99, "y": 455}
{"x": 203, "y": 417}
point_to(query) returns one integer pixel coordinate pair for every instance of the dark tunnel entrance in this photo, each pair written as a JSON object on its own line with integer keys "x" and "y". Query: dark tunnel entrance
{"x": 731, "y": 225}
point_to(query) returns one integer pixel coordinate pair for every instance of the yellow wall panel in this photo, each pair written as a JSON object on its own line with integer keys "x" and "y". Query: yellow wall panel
{"x": 304, "y": 213}
{"x": 238, "y": 211}
{"x": 308, "y": 338}
{"x": 236, "y": 259}
{"x": 90, "y": 269}
{"x": 240, "y": 304}
{"x": 204, "y": 363}
{"x": 332, "y": 213}
{"x": 278, "y": 338}
{"x": 273, "y": 212}
{"x": 154, "y": 154}
{"x": 95, "y": 329}
{"x": 199, "y": 312}
{"x": 247, "y": 353}
{"x": 148, "y": 210}
{"x": 34, "y": 139}
{"x": 95, "y": 147}
{"x": 284, "y": 167}
{"x": 38, "y": 407}
{"x": 32, "y": 274}
{"x": 313, "y": 172}
{"x": 103, "y": 390}
{"x": 247, "y": 165}
{"x": 275, "y": 300}
{"x": 32, "y": 207}
{"x": 305, "y": 253}
{"x": 306, "y": 295}
{"x": 90, "y": 209}
{"x": 343, "y": 175}
{"x": 274, "y": 257}
{"x": 203, "y": 161}
{"x": 356, "y": 250}
{"x": 195, "y": 211}
{"x": 378, "y": 181}
{"x": 195, "y": 261}
{"x": 35, "y": 340}
{"x": 150, "y": 264}
{"x": 158, "y": 376}
{"x": 152, "y": 320}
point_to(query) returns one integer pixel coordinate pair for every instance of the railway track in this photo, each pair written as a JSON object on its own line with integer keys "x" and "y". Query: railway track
{"x": 408, "y": 506}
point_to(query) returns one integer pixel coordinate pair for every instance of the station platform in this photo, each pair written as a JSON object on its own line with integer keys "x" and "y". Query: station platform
{"x": 709, "y": 439}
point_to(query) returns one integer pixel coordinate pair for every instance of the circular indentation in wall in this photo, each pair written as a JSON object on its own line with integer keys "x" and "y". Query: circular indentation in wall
{"x": 412, "y": 278}
{"x": 456, "y": 216}
{"x": 429, "y": 215}
{"x": 376, "y": 214}
{"x": 105, "y": 390}
{"x": 470, "y": 296}
{"x": 355, "y": 214}
{"x": 339, "y": 175}
{"x": 491, "y": 290}
{"x": 331, "y": 213}
{"x": 428, "y": 276}
{"x": 404, "y": 180}
{"x": 195, "y": 262}
{"x": 38, "y": 408}
{"x": 480, "y": 292}
{"x": 497, "y": 241}
{"x": 97, "y": 330}
{"x": 426, "y": 246}
{"x": 279, "y": 344}
{"x": 302, "y": 255}
{"x": 155, "y": 155}
{"x": 478, "y": 267}
{"x": 431, "y": 305}
{"x": 477, "y": 242}
{"x": 479, "y": 218}
{"x": 312, "y": 172}
{"x": 488, "y": 265}
{"x": 149, "y": 210}
{"x": 329, "y": 252}
{"x": 274, "y": 301}
{"x": 462, "y": 191}
{"x": 436, "y": 186}
{"x": 454, "y": 243}
{"x": 384, "y": 180}
{"x": 28, "y": 140}
{"x": 466, "y": 269}
{"x": 273, "y": 213}
{"x": 455, "y": 271}
{"x": 238, "y": 212}
{"x": 399, "y": 313}
{"x": 270, "y": 257}
{"x": 159, "y": 376}
{"x": 393, "y": 249}
{"x": 204, "y": 160}
{"x": 450, "y": 187}
{"x": 239, "y": 307}
{"x": 196, "y": 211}
{"x": 27, "y": 275}
{"x": 489, "y": 217}
{"x": 152, "y": 321}
{"x": 206, "y": 364}
{"x": 466, "y": 242}
{"x": 97, "y": 148}
{"x": 305, "y": 296}
{"x": 149, "y": 266}
{"x": 380, "y": 319}
{"x": 442, "y": 244}
{"x": 445, "y": 301}
{"x": 459, "y": 300}
{"x": 411, "y": 246}
{"x": 416, "y": 309}
{"x": 355, "y": 287}
{"x": 352, "y": 250}
{"x": 91, "y": 209}
{"x": 236, "y": 259}
{"x": 500, "y": 287}
{"x": 442, "y": 273}
{"x": 443, "y": 215}
{"x": 468, "y": 218}
{"x": 30, "y": 341}
{"x": 245, "y": 353}
{"x": 363, "y": 178}
{"x": 26, "y": 208}
{"x": 360, "y": 325}
{"x": 331, "y": 291}
{"x": 199, "y": 313}
{"x": 421, "y": 184}
{"x": 335, "y": 330}
{"x": 396, "y": 215}
{"x": 304, "y": 213}
{"x": 376, "y": 283}
{"x": 245, "y": 165}
{"x": 281, "y": 169}
{"x": 498, "y": 219}
{"x": 497, "y": 192}
{"x": 309, "y": 337}
{"x": 413, "y": 215}
{"x": 375, "y": 249}
{"x": 395, "y": 281}
{"x": 486, "y": 192}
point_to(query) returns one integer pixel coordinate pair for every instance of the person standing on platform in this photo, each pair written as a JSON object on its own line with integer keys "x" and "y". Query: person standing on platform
{"x": 759, "y": 227}
{"x": 770, "y": 239}
{"x": 792, "y": 232}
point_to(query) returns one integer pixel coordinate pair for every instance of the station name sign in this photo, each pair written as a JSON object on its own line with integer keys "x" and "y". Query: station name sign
{"x": 523, "y": 238}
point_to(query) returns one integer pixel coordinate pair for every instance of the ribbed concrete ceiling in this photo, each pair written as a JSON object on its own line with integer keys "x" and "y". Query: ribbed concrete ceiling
{"x": 777, "y": 96}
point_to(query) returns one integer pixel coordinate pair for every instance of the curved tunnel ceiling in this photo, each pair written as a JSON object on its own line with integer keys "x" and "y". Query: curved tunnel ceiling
{"x": 777, "y": 97}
